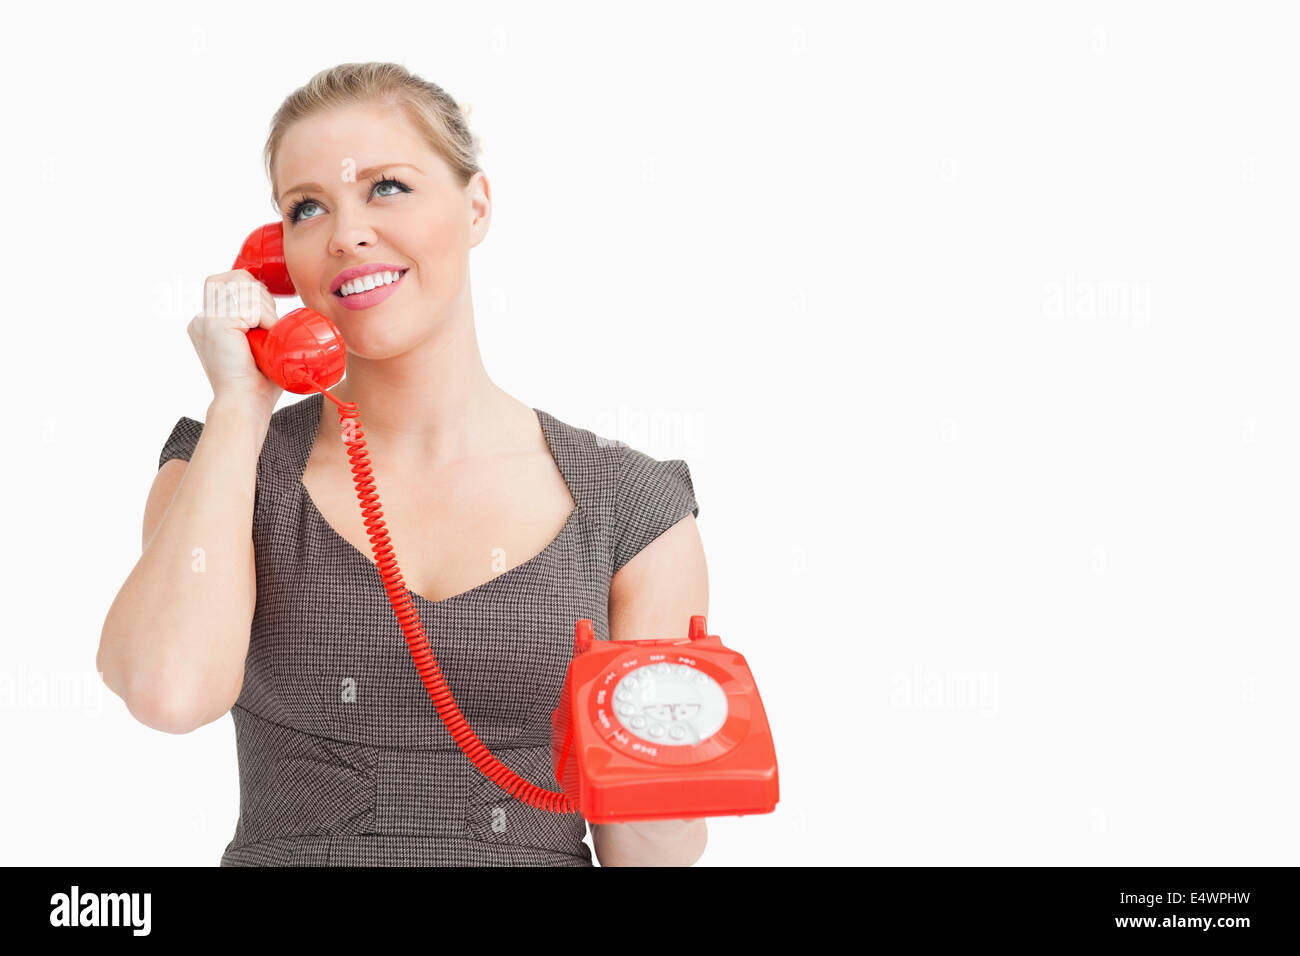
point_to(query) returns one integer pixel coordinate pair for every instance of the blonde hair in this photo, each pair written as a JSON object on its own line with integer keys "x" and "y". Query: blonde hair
{"x": 440, "y": 119}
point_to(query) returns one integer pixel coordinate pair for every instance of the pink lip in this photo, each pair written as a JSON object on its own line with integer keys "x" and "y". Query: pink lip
{"x": 365, "y": 300}
{"x": 356, "y": 272}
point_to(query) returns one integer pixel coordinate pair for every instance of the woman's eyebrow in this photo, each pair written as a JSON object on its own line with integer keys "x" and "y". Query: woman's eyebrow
{"x": 361, "y": 174}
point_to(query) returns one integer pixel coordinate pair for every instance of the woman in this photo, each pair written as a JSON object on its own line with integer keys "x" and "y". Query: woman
{"x": 509, "y": 525}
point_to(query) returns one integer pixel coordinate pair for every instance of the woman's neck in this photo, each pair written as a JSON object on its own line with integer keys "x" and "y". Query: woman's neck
{"x": 432, "y": 406}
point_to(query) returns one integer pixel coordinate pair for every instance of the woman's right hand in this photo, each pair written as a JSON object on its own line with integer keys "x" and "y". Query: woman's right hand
{"x": 233, "y": 303}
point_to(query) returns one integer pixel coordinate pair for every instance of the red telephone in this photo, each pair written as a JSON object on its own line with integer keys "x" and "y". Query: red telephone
{"x": 650, "y": 729}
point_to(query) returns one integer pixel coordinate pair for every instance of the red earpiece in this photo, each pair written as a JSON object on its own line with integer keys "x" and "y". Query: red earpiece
{"x": 263, "y": 256}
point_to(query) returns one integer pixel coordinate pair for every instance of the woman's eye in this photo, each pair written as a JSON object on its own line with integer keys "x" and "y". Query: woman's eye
{"x": 296, "y": 213}
{"x": 387, "y": 182}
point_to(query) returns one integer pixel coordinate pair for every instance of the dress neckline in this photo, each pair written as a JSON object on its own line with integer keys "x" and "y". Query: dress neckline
{"x": 307, "y": 431}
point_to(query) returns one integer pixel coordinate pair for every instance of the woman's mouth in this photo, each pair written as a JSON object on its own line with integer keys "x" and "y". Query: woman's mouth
{"x": 381, "y": 286}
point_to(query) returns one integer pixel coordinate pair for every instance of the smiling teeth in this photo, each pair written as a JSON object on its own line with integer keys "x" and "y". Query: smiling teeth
{"x": 366, "y": 283}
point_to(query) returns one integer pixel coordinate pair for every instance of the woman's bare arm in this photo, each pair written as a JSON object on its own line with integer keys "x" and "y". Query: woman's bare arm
{"x": 650, "y": 597}
{"x": 176, "y": 635}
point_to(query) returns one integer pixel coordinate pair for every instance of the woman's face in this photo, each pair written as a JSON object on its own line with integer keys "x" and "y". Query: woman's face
{"x": 338, "y": 214}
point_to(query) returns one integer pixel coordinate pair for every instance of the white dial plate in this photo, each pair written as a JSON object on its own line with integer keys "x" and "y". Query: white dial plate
{"x": 672, "y": 704}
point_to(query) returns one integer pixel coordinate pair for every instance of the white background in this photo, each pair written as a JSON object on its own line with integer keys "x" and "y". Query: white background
{"x": 975, "y": 324}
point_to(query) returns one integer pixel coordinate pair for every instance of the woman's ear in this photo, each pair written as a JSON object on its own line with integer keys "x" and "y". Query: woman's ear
{"x": 479, "y": 192}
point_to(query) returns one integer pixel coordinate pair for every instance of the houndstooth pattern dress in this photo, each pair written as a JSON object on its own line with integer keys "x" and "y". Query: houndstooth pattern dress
{"x": 343, "y": 760}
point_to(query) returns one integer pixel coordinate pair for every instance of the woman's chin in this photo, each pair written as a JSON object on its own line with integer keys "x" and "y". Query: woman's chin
{"x": 375, "y": 345}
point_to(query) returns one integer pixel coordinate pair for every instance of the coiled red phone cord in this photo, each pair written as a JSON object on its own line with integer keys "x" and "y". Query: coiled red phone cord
{"x": 421, "y": 653}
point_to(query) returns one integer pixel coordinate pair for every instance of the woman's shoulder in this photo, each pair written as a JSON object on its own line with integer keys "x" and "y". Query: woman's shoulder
{"x": 287, "y": 429}
{"x": 182, "y": 440}
{"x": 282, "y": 455}
{"x": 635, "y": 495}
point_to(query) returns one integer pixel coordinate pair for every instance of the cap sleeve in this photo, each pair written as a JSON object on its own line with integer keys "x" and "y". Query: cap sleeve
{"x": 652, "y": 496}
{"x": 180, "y": 443}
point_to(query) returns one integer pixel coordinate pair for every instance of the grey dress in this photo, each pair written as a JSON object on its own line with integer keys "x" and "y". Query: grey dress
{"x": 343, "y": 760}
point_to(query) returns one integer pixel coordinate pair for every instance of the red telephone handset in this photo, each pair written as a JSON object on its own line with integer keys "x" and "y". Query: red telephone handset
{"x": 653, "y": 729}
{"x": 302, "y": 346}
